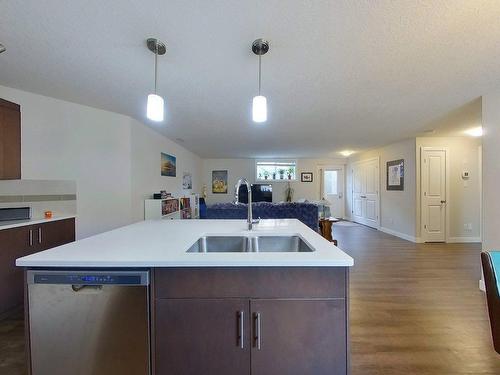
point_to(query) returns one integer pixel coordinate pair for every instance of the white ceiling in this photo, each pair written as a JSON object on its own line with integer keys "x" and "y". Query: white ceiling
{"x": 339, "y": 74}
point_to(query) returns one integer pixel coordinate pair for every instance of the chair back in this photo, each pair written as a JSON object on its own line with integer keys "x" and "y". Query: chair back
{"x": 491, "y": 271}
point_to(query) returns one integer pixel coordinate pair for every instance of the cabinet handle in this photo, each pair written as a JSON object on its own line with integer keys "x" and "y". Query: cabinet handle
{"x": 256, "y": 335}
{"x": 31, "y": 237}
{"x": 241, "y": 326}
{"x": 39, "y": 234}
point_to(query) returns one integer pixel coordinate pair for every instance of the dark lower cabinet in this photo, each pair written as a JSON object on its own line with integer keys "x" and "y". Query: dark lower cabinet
{"x": 14, "y": 243}
{"x": 21, "y": 241}
{"x": 298, "y": 337}
{"x": 245, "y": 333}
{"x": 208, "y": 337}
{"x": 53, "y": 233}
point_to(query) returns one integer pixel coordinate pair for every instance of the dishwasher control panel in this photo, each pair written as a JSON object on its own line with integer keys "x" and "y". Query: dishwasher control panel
{"x": 89, "y": 277}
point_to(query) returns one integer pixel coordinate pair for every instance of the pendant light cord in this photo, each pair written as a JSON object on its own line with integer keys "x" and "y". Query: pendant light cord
{"x": 156, "y": 64}
{"x": 260, "y": 67}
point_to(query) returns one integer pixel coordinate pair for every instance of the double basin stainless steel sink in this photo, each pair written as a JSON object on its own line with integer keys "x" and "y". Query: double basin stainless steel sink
{"x": 248, "y": 244}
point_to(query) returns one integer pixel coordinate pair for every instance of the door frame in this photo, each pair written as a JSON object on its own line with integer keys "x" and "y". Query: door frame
{"x": 321, "y": 167}
{"x": 447, "y": 190}
{"x": 377, "y": 159}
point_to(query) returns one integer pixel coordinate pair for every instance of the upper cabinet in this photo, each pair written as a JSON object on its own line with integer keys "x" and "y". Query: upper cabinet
{"x": 10, "y": 140}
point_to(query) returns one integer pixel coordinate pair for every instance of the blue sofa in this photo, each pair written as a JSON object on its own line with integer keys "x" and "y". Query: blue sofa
{"x": 305, "y": 212}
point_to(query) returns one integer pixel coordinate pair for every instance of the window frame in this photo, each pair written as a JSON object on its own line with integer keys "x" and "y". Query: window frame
{"x": 287, "y": 163}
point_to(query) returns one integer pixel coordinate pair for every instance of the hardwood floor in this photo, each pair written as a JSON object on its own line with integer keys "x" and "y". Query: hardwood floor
{"x": 415, "y": 309}
{"x": 12, "y": 356}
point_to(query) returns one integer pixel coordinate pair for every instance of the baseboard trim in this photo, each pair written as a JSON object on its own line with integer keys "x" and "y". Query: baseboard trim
{"x": 404, "y": 236}
{"x": 464, "y": 239}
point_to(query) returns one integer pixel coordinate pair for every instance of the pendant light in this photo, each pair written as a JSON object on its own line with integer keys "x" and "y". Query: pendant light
{"x": 156, "y": 106}
{"x": 259, "y": 104}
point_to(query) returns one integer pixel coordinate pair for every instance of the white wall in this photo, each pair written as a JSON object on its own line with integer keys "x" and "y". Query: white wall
{"x": 238, "y": 168}
{"x": 491, "y": 171}
{"x": 465, "y": 196}
{"x": 68, "y": 141}
{"x": 397, "y": 208}
{"x": 146, "y": 148}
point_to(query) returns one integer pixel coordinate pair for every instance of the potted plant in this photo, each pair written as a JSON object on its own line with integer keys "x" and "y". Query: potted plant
{"x": 290, "y": 173}
{"x": 282, "y": 174}
{"x": 266, "y": 175}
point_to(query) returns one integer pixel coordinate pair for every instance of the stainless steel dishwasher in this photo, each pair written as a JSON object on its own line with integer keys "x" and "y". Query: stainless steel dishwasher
{"x": 89, "y": 322}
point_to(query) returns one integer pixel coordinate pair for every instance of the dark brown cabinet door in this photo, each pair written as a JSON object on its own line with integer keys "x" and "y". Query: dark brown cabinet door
{"x": 298, "y": 337}
{"x": 54, "y": 233}
{"x": 10, "y": 140}
{"x": 14, "y": 243}
{"x": 202, "y": 336}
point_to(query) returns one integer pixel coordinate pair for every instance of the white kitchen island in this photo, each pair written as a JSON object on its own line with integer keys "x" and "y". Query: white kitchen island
{"x": 246, "y": 307}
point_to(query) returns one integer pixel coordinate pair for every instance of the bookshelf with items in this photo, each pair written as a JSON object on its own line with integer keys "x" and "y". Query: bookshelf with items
{"x": 172, "y": 208}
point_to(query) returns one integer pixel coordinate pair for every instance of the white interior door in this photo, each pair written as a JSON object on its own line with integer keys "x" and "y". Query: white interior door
{"x": 433, "y": 191}
{"x": 365, "y": 193}
{"x": 333, "y": 189}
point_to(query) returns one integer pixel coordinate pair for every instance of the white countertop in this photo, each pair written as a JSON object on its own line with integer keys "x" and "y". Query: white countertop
{"x": 21, "y": 223}
{"x": 163, "y": 243}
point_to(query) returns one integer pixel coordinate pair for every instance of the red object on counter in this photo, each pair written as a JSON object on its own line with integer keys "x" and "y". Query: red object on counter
{"x": 48, "y": 214}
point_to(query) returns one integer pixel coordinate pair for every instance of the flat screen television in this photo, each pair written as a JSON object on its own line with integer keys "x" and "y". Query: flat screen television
{"x": 260, "y": 193}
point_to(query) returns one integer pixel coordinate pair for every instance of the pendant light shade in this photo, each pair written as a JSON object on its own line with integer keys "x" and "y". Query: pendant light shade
{"x": 156, "y": 106}
{"x": 259, "y": 104}
{"x": 259, "y": 109}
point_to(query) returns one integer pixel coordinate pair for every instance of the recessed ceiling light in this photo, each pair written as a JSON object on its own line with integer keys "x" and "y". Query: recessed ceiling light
{"x": 346, "y": 153}
{"x": 475, "y": 132}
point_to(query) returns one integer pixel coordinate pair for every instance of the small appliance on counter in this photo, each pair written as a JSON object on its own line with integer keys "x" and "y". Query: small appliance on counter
{"x": 15, "y": 213}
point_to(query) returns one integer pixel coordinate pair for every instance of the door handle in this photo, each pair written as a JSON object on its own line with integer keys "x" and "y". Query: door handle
{"x": 362, "y": 196}
{"x": 31, "y": 237}
{"x": 241, "y": 327}
{"x": 256, "y": 330}
{"x": 40, "y": 235}
{"x": 443, "y": 202}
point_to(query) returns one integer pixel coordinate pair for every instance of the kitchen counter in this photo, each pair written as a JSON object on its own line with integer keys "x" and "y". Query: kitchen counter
{"x": 163, "y": 243}
{"x": 21, "y": 223}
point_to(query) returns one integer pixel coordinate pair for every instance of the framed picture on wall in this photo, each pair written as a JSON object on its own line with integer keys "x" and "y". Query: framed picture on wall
{"x": 219, "y": 182}
{"x": 306, "y": 177}
{"x": 187, "y": 180}
{"x": 396, "y": 175}
{"x": 168, "y": 165}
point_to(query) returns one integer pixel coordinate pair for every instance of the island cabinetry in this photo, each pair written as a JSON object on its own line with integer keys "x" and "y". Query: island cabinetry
{"x": 21, "y": 241}
{"x": 258, "y": 320}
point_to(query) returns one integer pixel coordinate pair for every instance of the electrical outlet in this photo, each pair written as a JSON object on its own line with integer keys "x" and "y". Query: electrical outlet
{"x": 468, "y": 227}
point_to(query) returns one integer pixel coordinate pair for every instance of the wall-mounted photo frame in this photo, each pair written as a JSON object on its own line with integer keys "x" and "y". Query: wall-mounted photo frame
{"x": 168, "y": 165}
{"x": 219, "y": 182}
{"x": 396, "y": 175}
{"x": 306, "y": 177}
{"x": 187, "y": 180}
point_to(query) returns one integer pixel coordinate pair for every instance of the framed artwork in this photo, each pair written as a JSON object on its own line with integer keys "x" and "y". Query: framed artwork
{"x": 396, "y": 175}
{"x": 168, "y": 165}
{"x": 306, "y": 177}
{"x": 219, "y": 182}
{"x": 187, "y": 180}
